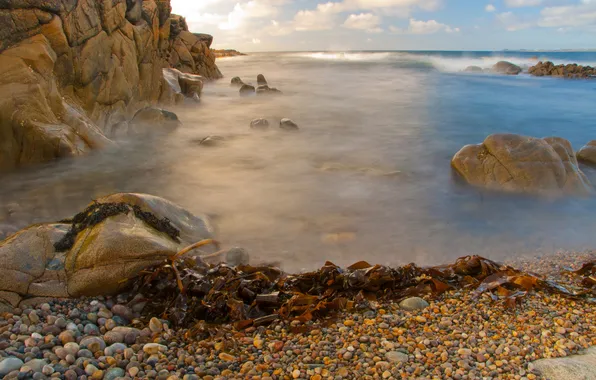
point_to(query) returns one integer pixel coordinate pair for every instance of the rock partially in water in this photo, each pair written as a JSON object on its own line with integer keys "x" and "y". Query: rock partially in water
{"x": 236, "y": 81}
{"x": 266, "y": 90}
{"x": 515, "y": 163}
{"x": 587, "y": 153}
{"x": 211, "y": 141}
{"x": 568, "y": 368}
{"x": 261, "y": 81}
{"x": 474, "y": 69}
{"x": 507, "y": 68}
{"x": 189, "y": 85}
{"x": 260, "y": 124}
{"x": 247, "y": 90}
{"x": 288, "y": 125}
{"x": 572, "y": 70}
{"x": 151, "y": 120}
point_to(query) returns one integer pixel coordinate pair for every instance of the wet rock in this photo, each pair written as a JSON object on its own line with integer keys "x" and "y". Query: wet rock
{"x": 587, "y": 154}
{"x": 514, "y": 163}
{"x": 508, "y": 68}
{"x": 152, "y": 120}
{"x": 236, "y": 81}
{"x": 261, "y": 80}
{"x": 246, "y": 90}
{"x": 188, "y": 85}
{"x": 259, "y": 124}
{"x": 413, "y": 303}
{"x": 567, "y": 71}
{"x": 473, "y": 69}
{"x": 288, "y": 125}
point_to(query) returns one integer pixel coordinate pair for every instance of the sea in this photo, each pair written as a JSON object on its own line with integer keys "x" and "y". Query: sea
{"x": 366, "y": 177}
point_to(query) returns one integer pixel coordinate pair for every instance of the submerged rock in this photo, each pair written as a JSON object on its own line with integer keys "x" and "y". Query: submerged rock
{"x": 587, "y": 154}
{"x": 516, "y": 163}
{"x": 288, "y": 125}
{"x": 246, "y": 90}
{"x": 151, "y": 119}
{"x": 473, "y": 69}
{"x": 260, "y": 124}
{"x": 508, "y": 68}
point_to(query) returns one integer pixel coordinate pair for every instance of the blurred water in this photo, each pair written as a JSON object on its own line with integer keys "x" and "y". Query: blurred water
{"x": 367, "y": 177}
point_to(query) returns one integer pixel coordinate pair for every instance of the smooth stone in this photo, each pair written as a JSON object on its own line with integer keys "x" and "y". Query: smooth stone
{"x": 396, "y": 357}
{"x": 47, "y": 370}
{"x": 60, "y": 322}
{"x": 10, "y": 364}
{"x": 112, "y": 337}
{"x": 37, "y": 364}
{"x": 154, "y": 348}
{"x": 122, "y": 311}
{"x": 568, "y": 368}
{"x": 91, "y": 329}
{"x": 90, "y": 369}
{"x": 71, "y": 348}
{"x": 114, "y": 348}
{"x": 260, "y": 124}
{"x": 413, "y": 303}
{"x": 155, "y": 325}
{"x": 114, "y": 373}
{"x": 93, "y": 343}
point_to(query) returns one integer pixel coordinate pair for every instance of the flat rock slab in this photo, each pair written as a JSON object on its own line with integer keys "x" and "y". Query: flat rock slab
{"x": 576, "y": 367}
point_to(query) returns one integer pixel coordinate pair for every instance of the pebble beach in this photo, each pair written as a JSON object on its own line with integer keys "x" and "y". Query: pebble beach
{"x": 453, "y": 336}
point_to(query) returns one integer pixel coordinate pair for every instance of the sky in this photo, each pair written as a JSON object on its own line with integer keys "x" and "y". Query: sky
{"x": 307, "y": 25}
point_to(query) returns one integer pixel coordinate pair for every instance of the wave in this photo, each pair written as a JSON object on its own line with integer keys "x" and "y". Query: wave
{"x": 450, "y": 61}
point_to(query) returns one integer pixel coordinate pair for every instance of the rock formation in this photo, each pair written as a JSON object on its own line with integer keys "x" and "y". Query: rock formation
{"x": 108, "y": 246}
{"x": 515, "y": 163}
{"x": 226, "y": 53}
{"x": 508, "y": 68}
{"x": 587, "y": 154}
{"x": 70, "y": 70}
{"x": 568, "y": 71}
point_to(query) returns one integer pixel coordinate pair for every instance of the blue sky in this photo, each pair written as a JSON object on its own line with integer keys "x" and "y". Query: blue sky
{"x": 272, "y": 25}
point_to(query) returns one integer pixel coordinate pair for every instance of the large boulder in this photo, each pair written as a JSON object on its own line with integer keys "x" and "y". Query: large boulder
{"x": 99, "y": 250}
{"x": 508, "y": 68}
{"x": 151, "y": 119}
{"x": 515, "y": 163}
{"x": 188, "y": 85}
{"x": 587, "y": 153}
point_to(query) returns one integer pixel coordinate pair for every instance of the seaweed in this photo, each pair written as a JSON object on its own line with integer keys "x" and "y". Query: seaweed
{"x": 185, "y": 293}
{"x": 98, "y": 212}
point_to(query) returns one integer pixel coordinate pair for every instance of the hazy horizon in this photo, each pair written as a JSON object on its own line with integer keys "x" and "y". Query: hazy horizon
{"x": 344, "y": 25}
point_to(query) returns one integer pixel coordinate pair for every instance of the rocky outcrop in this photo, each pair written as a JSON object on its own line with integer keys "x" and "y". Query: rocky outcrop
{"x": 566, "y": 71}
{"x": 222, "y": 53}
{"x": 70, "y": 70}
{"x": 507, "y": 68}
{"x": 110, "y": 242}
{"x": 515, "y": 163}
{"x": 587, "y": 153}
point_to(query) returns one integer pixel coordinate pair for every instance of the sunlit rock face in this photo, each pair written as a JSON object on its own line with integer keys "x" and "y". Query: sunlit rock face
{"x": 70, "y": 70}
{"x": 514, "y": 163}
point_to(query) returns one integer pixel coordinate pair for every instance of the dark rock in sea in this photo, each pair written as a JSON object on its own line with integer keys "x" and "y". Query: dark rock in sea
{"x": 261, "y": 124}
{"x": 566, "y": 71}
{"x": 247, "y": 90}
{"x": 473, "y": 69}
{"x": 236, "y": 81}
{"x": 211, "y": 141}
{"x": 266, "y": 90}
{"x": 507, "y": 68}
{"x": 261, "y": 80}
{"x": 288, "y": 125}
{"x": 587, "y": 154}
{"x": 521, "y": 164}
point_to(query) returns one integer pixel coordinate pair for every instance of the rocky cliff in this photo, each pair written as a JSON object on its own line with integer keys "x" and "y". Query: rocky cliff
{"x": 70, "y": 70}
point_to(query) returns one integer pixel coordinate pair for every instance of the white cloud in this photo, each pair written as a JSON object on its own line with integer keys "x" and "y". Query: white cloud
{"x": 522, "y": 3}
{"x": 357, "y": 5}
{"x": 250, "y": 10}
{"x": 490, "y": 8}
{"x": 512, "y": 22}
{"x": 256, "y": 41}
{"x": 363, "y": 21}
{"x": 424, "y": 27}
{"x": 313, "y": 20}
{"x": 579, "y": 15}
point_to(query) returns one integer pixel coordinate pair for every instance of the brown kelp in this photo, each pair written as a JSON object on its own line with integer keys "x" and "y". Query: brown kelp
{"x": 186, "y": 292}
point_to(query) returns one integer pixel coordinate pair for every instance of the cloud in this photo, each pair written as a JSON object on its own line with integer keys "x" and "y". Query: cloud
{"x": 363, "y": 21}
{"x": 512, "y": 22}
{"x": 424, "y": 27}
{"x": 490, "y": 8}
{"x": 313, "y": 20}
{"x": 580, "y": 15}
{"x": 358, "y": 5}
{"x": 250, "y": 10}
{"x": 256, "y": 41}
{"x": 522, "y": 3}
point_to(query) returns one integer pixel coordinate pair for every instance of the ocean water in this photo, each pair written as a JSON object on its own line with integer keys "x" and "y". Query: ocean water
{"x": 368, "y": 175}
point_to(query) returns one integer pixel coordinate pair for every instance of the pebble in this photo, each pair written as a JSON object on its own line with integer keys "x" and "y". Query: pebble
{"x": 7, "y": 365}
{"x": 413, "y": 303}
{"x": 155, "y": 325}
